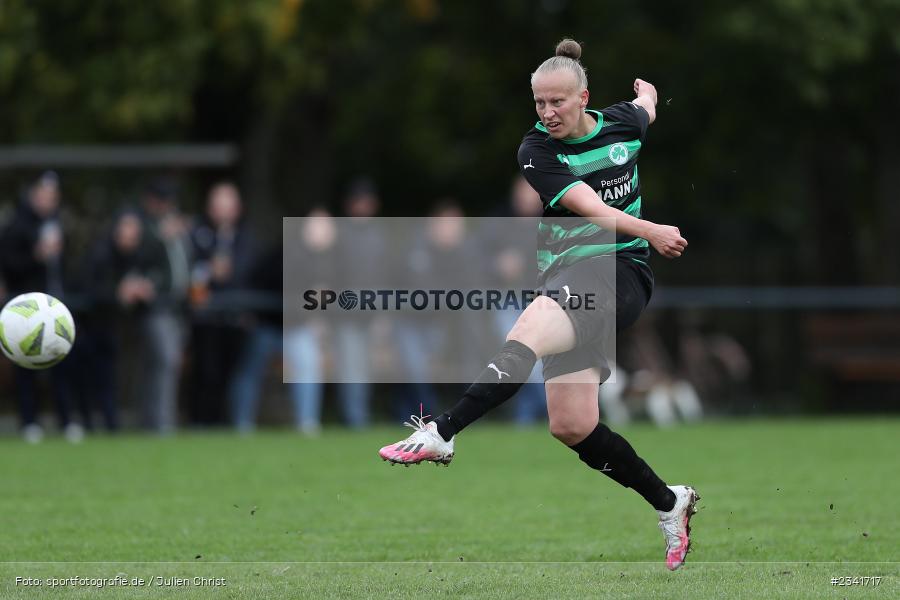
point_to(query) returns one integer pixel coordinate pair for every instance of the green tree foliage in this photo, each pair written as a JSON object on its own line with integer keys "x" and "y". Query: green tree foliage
{"x": 773, "y": 134}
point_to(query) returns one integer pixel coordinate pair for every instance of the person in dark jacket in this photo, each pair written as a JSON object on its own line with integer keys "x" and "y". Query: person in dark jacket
{"x": 162, "y": 328}
{"x": 223, "y": 250}
{"x": 31, "y": 255}
{"x": 124, "y": 272}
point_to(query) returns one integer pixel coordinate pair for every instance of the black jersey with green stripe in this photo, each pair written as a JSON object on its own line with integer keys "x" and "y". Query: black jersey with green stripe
{"x": 606, "y": 160}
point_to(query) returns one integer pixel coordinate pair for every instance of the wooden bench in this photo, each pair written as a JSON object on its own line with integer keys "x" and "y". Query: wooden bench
{"x": 861, "y": 348}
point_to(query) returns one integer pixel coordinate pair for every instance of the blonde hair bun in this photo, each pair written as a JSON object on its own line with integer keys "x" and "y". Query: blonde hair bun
{"x": 569, "y": 48}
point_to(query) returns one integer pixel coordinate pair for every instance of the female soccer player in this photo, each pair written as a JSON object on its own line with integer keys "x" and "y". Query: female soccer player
{"x": 583, "y": 163}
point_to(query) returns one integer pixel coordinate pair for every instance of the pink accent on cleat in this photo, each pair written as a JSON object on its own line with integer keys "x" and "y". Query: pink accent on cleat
{"x": 676, "y": 525}
{"x": 675, "y": 556}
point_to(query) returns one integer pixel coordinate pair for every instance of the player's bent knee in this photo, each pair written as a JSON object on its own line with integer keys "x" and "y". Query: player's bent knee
{"x": 570, "y": 432}
{"x": 572, "y": 406}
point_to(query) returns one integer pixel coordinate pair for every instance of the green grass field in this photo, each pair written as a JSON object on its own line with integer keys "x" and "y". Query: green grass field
{"x": 786, "y": 506}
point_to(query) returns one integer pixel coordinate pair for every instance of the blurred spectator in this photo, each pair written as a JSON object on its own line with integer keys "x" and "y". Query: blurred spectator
{"x": 161, "y": 327}
{"x": 33, "y": 241}
{"x": 223, "y": 253}
{"x": 668, "y": 396}
{"x": 31, "y": 251}
{"x": 442, "y": 258}
{"x": 361, "y": 255}
{"x": 263, "y": 343}
{"x": 126, "y": 272}
{"x": 713, "y": 361}
{"x": 511, "y": 241}
{"x": 311, "y": 260}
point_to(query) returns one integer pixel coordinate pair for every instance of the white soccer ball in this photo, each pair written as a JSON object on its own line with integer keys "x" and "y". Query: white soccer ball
{"x": 36, "y": 330}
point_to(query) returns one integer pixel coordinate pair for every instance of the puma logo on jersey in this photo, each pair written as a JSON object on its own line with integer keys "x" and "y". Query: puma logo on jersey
{"x": 500, "y": 373}
{"x": 529, "y": 165}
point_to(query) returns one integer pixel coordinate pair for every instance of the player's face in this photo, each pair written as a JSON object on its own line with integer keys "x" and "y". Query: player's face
{"x": 558, "y": 102}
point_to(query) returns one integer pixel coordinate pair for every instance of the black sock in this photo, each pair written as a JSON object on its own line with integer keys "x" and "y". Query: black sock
{"x": 609, "y": 453}
{"x": 504, "y": 375}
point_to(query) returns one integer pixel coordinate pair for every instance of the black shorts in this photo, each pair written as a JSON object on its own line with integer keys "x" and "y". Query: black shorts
{"x": 598, "y": 307}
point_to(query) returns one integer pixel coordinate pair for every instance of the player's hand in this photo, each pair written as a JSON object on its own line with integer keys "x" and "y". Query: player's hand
{"x": 667, "y": 241}
{"x": 644, "y": 88}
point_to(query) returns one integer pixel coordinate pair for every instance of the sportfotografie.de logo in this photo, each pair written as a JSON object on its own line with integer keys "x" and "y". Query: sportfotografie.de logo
{"x": 440, "y": 300}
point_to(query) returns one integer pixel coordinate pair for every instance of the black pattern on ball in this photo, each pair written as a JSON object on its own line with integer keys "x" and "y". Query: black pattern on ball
{"x": 348, "y": 300}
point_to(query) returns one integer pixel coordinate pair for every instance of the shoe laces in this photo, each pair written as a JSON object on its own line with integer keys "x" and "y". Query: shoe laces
{"x": 669, "y": 526}
{"x": 418, "y": 423}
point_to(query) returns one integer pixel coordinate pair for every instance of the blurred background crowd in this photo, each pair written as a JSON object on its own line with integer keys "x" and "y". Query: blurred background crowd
{"x": 179, "y": 316}
{"x": 180, "y": 133}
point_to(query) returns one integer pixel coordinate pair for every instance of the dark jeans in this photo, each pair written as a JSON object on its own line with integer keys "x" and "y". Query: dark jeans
{"x": 215, "y": 350}
{"x": 92, "y": 366}
{"x": 59, "y": 384}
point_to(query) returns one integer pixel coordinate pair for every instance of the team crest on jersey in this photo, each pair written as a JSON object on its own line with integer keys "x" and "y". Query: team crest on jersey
{"x": 618, "y": 153}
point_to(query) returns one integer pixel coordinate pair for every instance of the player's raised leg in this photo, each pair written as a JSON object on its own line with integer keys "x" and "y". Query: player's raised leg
{"x": 542, "y": 329}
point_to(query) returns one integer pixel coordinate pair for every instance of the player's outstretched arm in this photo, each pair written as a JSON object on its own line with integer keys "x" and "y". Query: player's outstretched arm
{"x": 582, "y": 200}
{"x": 645, "y": 93}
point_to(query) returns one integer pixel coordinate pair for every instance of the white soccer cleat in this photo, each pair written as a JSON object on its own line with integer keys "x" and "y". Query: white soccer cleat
{"x": 676, "y": 525}
{"x": 424, "y": 444}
